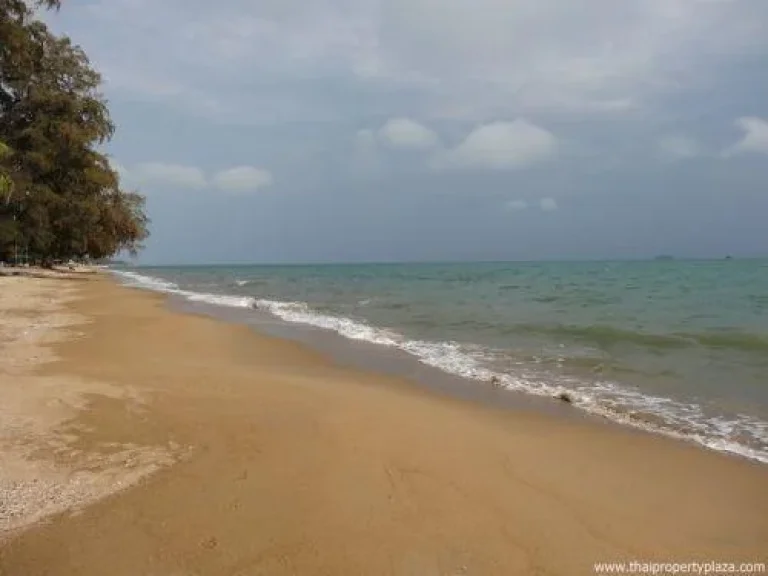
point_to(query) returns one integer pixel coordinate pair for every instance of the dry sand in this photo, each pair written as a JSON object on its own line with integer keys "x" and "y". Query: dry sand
{"x": 43, "y": 471}
{"x": 288, "y": 464}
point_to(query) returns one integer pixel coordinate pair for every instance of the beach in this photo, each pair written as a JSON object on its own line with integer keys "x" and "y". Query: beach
{"x": 140, "y": 440}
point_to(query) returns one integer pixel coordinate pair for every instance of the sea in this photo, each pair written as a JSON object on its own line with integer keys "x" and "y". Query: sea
{"x": 675, "y": 347}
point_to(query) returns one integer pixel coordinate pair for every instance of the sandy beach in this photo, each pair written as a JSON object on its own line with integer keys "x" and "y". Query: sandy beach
{"x": 141, "y": 441}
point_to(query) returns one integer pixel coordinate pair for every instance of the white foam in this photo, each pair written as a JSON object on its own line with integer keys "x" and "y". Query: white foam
{"x": 159, "y": 285}
{"x": 218, "y": 300}
{"x": 619, "y": 403}
{"x": 142, "y": 281}
{"x": 685, "y": 421}
{"x": 300, "y": 313}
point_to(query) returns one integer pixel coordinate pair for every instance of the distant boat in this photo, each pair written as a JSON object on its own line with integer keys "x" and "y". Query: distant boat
{"x": 729, "y": 257}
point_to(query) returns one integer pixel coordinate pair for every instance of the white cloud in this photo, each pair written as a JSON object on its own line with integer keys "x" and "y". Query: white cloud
{"x": 677, "y": 147}
{"x": 243, "y": 179}
{"x": 548, "y": 204}
{"x": 474, "y": 58}
{"x": 503, "y": 145}
{"x": 516, "y": 205}
{"x": 151, "y": 174}
{"x": 755, "y": 139}
{"x": 175, "y": 175}
{"x": 407, "y": 134}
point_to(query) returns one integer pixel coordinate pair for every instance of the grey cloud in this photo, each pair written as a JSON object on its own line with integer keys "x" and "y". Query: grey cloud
{"x": 548, "y": 204}
{"x": 474, "y": 58}
{"x": 755, "y": 139}
{"x": 606, "y": 90}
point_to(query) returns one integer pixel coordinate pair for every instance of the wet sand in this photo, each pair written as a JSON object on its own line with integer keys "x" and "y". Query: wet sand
{"x": 276, "y": 460}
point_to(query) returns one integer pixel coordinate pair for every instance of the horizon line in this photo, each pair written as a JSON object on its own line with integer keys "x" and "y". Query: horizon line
{"x": 655, "y": 258}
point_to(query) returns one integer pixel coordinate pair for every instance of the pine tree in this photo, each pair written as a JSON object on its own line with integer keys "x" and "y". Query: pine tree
{"x": 62, "y": 198}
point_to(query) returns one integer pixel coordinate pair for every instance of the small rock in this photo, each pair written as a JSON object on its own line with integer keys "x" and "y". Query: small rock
{"x": 565, "y": 397}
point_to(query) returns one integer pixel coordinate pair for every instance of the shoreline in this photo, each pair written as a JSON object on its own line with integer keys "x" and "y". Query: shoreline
{"x": 373, "y": 359}
{"x": 291, "y": 463}
{"x": 371, "y": 355}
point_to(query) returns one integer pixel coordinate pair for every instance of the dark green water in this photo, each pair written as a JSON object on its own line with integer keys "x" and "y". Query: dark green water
{"x": 676, "y": 346}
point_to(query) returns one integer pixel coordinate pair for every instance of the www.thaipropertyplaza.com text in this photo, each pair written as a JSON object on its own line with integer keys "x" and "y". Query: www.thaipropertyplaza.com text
{"x": 712, "y": 568}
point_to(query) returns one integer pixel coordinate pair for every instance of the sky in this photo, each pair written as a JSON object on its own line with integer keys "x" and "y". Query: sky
{"x": 416, "y": 130}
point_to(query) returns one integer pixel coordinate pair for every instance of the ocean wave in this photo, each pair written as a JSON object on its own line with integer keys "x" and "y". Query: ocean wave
{"x": 159, "y": 285}
{"x": 301, "y": 313}
{"x": 607, "y": 336}
{"x": 739, "y": 434}
{"x": 734, "y": 340}
{"x": 603, "y": 336}
{"x": 142, "y": 281}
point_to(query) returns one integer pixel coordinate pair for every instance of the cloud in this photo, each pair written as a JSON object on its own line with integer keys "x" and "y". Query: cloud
{"x": 548, "y": 204}
{"x": 676, "y": 147}
{"x": 755, "y": 139}
{"x": 516, "y": 205}
{"x": 237, "y": 179}
{"x": 479, "y": 59}
{"x": 242, "y": 179}
{"x": 502, "y": 145}
{"x": 175, "y": 175}
{"x": 407, "y": 134}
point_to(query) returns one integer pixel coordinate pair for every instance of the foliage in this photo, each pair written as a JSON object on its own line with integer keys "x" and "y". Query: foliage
{"x": 62, "y": 198}
{"x": 5, "y": 180}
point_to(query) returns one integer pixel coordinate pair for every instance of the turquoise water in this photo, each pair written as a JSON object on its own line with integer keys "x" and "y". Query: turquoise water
{"x": 680, "y": 347}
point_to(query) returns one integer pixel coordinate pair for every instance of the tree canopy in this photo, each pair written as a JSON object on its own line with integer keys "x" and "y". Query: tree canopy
{"x": 60, "y": 197}
{"x": 5, "y": 180}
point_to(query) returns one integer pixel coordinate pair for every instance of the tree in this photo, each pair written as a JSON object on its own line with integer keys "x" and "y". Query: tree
{"x": 63, "y": 198}
{"x": 6, "y": 185}
{"x": 7, "y": 227}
